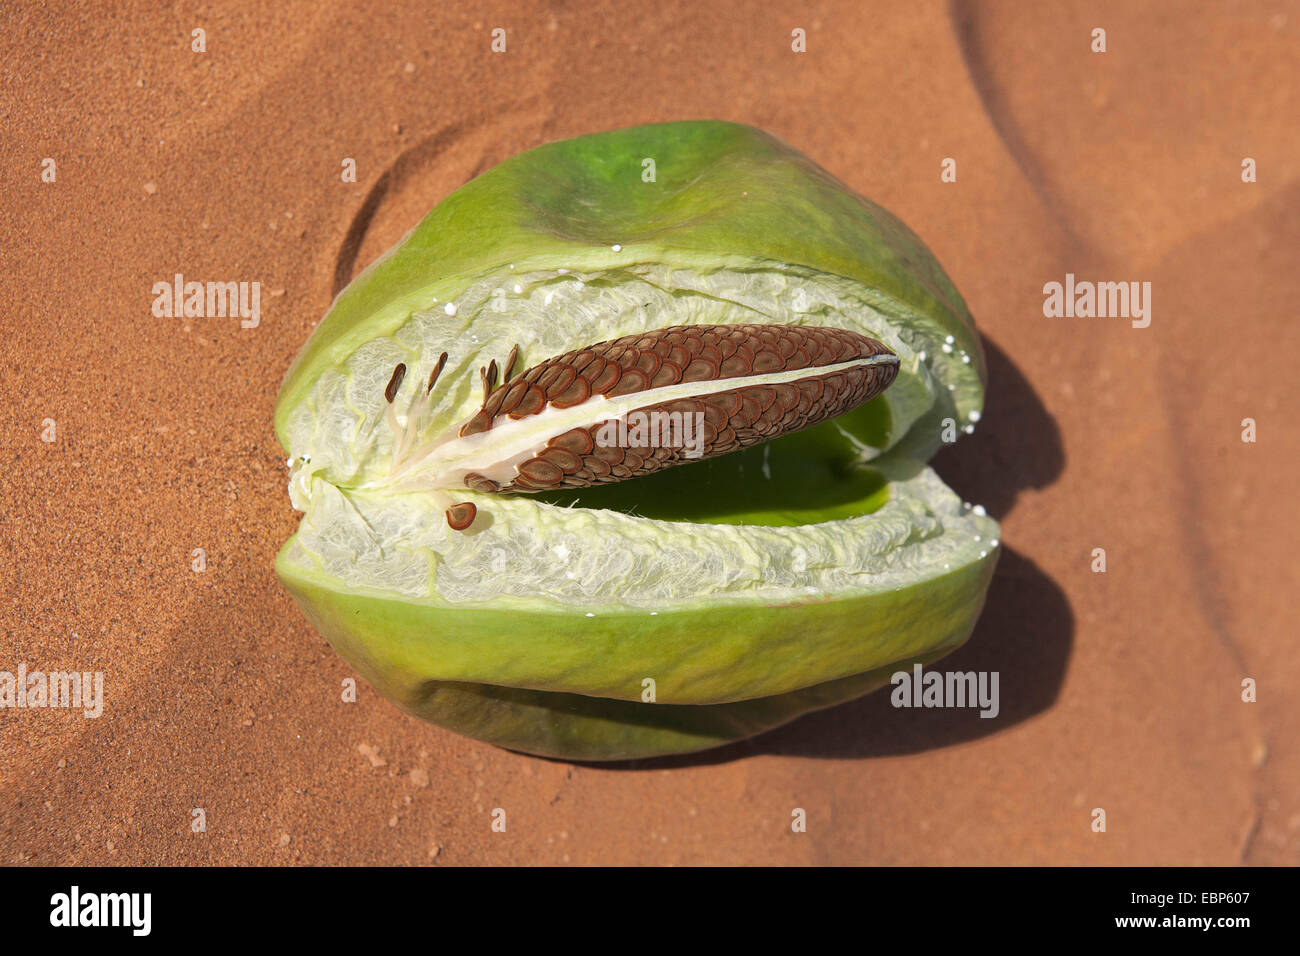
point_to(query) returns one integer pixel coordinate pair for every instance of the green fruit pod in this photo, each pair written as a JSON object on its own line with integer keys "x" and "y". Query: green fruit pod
{"x": 558, "y": 611}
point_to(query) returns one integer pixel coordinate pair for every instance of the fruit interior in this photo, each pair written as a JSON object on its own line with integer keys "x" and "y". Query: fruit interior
{"x": 844, "y": 508}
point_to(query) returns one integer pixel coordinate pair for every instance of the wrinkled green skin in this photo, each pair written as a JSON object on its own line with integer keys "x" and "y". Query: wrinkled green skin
{"x": 761, "y": 665}
{"x": 567, "y": 685}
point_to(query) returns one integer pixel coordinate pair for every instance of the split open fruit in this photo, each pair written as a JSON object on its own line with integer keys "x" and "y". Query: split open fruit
{"x": 491, "y": 559}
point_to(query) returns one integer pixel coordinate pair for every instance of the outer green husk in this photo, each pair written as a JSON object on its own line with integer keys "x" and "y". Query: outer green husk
{"x": 535, "y": 673}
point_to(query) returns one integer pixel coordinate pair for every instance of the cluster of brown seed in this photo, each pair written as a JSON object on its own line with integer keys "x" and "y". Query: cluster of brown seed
{"x": 732, "y": 419}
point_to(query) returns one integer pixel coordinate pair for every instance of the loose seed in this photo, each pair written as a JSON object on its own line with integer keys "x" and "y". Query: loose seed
{"x": 437, "y": 370}
{"x": 461, "y": 516}
{"x": 394, "y": 383}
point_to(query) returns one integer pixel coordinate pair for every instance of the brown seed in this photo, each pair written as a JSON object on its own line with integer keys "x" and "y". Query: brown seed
{"x": 461, "y": 516}
{"x": 560, "y": 383}
{"x": 668, "y": 374}
{"x": 787, "y": 396}
{"x": 476, "y": 482}
{"x": 481, "y": 422}
{"x": 648, "y": 361}
{"x": 565, "y": 460}
{"x": 632, "y": 380}
{"x": 740, "y": 363}
{"x": 683, "y": 406}
{"x": 493, "y": 405}
{"x": 609, "y": 454}
{"x": 510, "y": 363}
{"x": 591, "y": 369}
{"x": 700, "y": 370}
{"x": 810, "y": 390}
{"x": 437, "y": 370}
{"x": 513, "y": 396}
{"x": 534, "y": 401}
{"x": 394, "y": 383}
{"x": 541, "y": 472}
{"x": 551, "y": 376}
{"x": 713, "y": 415}
{"x": 576, "y": 440}
{"x": 607, "y": 379}
{"x": 577, "y": 392}
{"x": 728, "y": 402}
{"x": 581, "y": 358}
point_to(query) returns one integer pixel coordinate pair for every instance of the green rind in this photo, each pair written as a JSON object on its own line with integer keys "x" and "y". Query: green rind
{"x": 695, "y": 656}
{"x": 721, "y": 189}
{"x": 576, "y": 726}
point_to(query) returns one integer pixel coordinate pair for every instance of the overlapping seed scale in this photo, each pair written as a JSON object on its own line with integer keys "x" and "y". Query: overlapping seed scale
{"x": 732, "y": 419}
{"x": 683, "y": 353}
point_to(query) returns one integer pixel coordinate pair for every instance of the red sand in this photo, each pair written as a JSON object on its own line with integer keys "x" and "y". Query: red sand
{"x": 1119, "y": 690}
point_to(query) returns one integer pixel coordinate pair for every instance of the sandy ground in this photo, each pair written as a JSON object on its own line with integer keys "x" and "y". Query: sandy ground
{"x": 1120, "y": 690}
